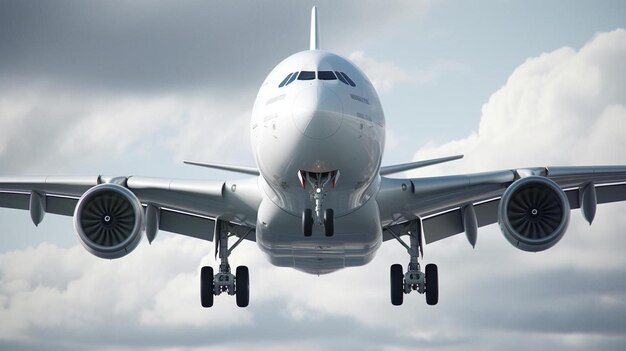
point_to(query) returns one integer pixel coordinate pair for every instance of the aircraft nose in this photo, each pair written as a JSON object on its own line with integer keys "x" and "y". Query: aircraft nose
{"x": 317, "y": 112}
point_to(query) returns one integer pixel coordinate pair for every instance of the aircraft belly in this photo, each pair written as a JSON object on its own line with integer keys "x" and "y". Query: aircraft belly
{"x": 357, "y": 237}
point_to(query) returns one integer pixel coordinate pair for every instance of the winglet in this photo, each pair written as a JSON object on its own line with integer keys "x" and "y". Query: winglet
{"x": 315, "y": 41}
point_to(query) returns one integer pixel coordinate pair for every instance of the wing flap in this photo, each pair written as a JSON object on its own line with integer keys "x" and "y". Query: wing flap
{"x": 611, "y": 193}
{"x": 54, "y": 204}
{"x": 450, "y": 223}
{"x": 186, "y": 224}
{"x": 18, "y": 201}
{"x": 60, "y": 205}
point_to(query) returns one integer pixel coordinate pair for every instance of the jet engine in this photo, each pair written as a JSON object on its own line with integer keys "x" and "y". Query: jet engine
{"x": 109, "y": 219}
{"x": 533, "y": 213}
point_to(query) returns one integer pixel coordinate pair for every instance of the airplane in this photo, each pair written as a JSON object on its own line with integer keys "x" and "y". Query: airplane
{"x": 319, "y": 199}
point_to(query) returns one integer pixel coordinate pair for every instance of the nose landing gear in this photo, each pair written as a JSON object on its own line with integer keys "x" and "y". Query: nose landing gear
{"x": 326, "y": 217}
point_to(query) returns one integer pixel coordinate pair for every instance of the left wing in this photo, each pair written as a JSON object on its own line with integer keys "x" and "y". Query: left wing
{"x": 451, "y": 205}
{"x": 187, "y": 207}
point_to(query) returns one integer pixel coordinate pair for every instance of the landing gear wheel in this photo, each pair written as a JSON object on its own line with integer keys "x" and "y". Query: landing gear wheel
{"x": 206, "y": 286}
{"x": 397, "y": 284}
{"x": 329, "y": 222}
{"x": 307, "y": 222}
{"x": 242, "y": 286}
{"x": 432, "y": 284}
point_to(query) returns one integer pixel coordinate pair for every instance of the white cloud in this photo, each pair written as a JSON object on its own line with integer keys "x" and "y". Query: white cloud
{"x": 55, "y": 289}
{"x": 565, "y": 107}
{"x": 49, "y": 127}
{"x": 214, "y": 130}
{"x": 383, "y": 75}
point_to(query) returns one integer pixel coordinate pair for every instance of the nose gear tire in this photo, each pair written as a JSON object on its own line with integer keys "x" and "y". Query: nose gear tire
{"x": 329, "y": 222}
{"x": 307, "y": 222}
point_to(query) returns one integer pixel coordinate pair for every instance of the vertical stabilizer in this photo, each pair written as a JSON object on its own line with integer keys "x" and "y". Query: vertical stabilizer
{"x": 315, "y": 39}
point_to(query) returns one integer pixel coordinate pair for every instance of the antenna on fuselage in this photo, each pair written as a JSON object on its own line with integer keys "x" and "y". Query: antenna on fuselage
{"x": 315, "y": 40}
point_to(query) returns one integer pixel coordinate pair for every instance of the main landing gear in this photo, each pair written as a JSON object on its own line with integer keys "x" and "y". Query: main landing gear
{"x": 325, "y": 217}
{"x": 414, "y": 279}
{"x": 224, "y": 281}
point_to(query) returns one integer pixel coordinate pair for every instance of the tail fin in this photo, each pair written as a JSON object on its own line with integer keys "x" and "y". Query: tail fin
{"x": 315, "y": 40}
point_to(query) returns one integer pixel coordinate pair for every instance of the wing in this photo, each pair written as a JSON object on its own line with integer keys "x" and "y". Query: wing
{"x": 187, "y": 207}
{"x": 440, "y": 202}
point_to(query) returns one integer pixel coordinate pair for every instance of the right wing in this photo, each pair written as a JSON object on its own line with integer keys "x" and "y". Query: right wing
{"x": 187, "y": 207}
{"x": 439, "y": 202}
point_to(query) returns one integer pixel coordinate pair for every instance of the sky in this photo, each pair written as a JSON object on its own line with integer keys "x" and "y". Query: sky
{"x": 119, "y": 88}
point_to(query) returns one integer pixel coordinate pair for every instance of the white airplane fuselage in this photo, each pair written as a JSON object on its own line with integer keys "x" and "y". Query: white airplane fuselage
{"x": 332, "y": 126}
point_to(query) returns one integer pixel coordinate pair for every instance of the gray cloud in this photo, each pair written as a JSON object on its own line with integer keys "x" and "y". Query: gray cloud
{"x": 180, "y": 77}
{"x": 148, "y": 46}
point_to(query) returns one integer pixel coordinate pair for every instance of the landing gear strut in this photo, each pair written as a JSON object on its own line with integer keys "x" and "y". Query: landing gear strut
{"x": 224, "y": 281}
{"x": 413, "y": 279}
{"x": 325, "y": 217}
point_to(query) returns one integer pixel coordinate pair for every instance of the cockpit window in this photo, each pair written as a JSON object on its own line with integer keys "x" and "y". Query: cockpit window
{"x": 293, "y": 77}
{"x": 284, "y": 82}
{"x": 321, "y": 75}
{"x": 348, "y": 79}
{"x": 341, "y": 78}
{"x": 306, "y": 75}
{"x": 326, "y": 75}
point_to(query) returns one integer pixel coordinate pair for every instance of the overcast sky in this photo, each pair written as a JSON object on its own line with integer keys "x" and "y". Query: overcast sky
{"x": 133, "y": 88}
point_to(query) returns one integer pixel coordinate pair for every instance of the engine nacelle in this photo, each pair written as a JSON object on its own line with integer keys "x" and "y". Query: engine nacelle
{"x": 109, "y": 219}
{"x": 533, "y": 213}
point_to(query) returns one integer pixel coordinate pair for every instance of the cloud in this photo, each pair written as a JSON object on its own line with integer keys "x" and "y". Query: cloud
{"x": 82, "y": 84}
{"x": 561, "y": 107}
{"x": 57, "y": 129}
{"x": 81, "y": 295}
{"x": 383, "y": 75}
{"x": 565, "y": 107}
{"x": 115, "y": 46}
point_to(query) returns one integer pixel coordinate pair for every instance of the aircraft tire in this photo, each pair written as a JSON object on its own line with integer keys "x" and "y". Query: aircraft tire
{"x": 206, "y": 286}
{"x": 329, "y": 222}
{"x": 432, "y": 284}
{"x": 397, "y": 284}
{"x": 242, "y": 286}
{"x": 307, "y": 222}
